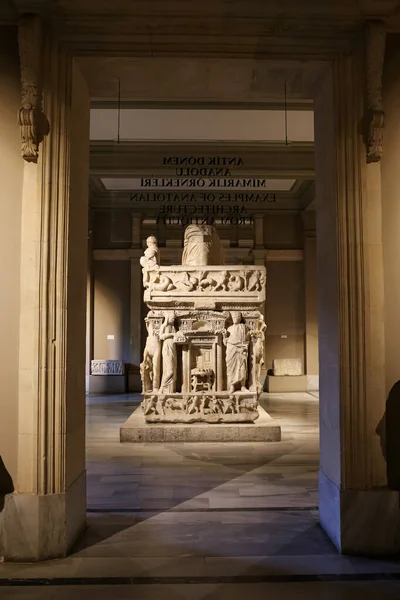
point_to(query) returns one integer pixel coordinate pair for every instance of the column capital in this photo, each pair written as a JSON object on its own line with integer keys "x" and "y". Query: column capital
{"x": 375, "y": 41}
{"x": 32, "y": 121}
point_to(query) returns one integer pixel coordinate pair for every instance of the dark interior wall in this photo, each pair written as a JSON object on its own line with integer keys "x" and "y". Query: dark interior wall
{"x": 112, "y": 291}
{"x": 391, "y": 209}
{"x": 285, "y": 311}
{"x": 283, "y": 231}
{"x": 112, "y": 229}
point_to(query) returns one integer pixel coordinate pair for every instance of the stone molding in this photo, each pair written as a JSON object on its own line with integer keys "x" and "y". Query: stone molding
{"x": 43, "y": 527}
{"x": 221, "y": 284}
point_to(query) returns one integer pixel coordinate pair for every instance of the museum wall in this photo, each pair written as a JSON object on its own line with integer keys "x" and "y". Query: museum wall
{"x": 112, "y": 291}
{"x": 285, "y": 312}
{"x": 391, "y": 210}
{"x": 285, "y": 307}
{"x": 283, "y": 231}
{"x": 11, "y": 173}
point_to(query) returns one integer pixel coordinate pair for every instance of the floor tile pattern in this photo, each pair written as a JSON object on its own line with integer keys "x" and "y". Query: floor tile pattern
{"x": 212, "y": 520}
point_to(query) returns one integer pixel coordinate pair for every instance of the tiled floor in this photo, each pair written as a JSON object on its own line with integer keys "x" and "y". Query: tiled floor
{"x": 204, "y": 520}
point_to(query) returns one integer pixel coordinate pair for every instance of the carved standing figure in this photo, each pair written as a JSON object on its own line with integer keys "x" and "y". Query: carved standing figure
{"x": 146, "y": 375}
{"x": 237, "y": 343}
{"x": 169, "y": 357}
{"x": 257, "y": 356}
{"x": 150, "y": 261}
{"x": 150, "y": 367}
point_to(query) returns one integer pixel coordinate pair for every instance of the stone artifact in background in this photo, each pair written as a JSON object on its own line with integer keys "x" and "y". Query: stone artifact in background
{"x": 287, "y": 367}
{"x": 205, "y": 343}
{"x": 107, "y": 367}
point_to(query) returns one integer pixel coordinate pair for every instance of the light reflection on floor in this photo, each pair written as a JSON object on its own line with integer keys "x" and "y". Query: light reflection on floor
{"x": 207, "y": 520}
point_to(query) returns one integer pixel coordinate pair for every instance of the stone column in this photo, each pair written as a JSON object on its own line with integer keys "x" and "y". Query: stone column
{"x": 136, "y": 321}
{"x": 311, "y": 300}
{"x": 136, "y": 220}
{"x": 46, "y": 514}
{"x": 356, "y": 509}
{"x": 89, "y": 303}
{"x": 185, "y": 370}
{"x": 220, "y": 365}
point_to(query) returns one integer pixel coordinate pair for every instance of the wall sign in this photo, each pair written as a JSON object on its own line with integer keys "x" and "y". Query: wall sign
{"x": 203, "y": 190}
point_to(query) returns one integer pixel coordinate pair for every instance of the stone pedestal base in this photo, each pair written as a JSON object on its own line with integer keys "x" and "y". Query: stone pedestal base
{"x": 360, "y": 522}
{"x": 286, "y": 383}
{"x": 36, "y": 528}
{"x": 134, "y": 380}
{"x": 107, "y": 384}
{"x": 264, "y": 429}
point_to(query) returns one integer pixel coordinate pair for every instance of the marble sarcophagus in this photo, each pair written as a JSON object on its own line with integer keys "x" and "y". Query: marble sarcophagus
{"x": 205, "y": 342}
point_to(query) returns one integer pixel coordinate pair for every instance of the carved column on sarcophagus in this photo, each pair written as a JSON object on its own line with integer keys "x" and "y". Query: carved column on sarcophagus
{"x": 185, "y": 369}
{"x": 220, "y": 366}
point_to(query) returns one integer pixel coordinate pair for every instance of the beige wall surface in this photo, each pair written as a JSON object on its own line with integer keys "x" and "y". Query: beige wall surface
{"x": 112, "y": 309}
{"x": 391, "y": 215}
{"x": 284, "y": 311}
{"x": 11, "y": 171}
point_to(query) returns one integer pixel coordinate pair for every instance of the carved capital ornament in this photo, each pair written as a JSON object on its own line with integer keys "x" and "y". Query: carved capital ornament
{"x": 29, "y": 42}
{"x": 375, "y": 54}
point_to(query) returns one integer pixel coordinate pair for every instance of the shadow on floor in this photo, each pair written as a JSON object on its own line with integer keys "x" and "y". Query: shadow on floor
{"x": 174, "y": 499}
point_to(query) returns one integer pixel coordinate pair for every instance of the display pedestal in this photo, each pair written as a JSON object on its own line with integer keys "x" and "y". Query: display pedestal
{"x": 107, "y": 384}
{"x": 136, "y": 429}
{"x": 280, "y": 384}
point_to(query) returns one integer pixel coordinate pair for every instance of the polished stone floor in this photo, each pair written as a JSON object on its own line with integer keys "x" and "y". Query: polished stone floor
{"x": 208, "y": 520}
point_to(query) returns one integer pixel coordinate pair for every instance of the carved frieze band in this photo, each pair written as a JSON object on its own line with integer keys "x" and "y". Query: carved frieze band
{"x": 375, "y": 53}
{"x": 29, "y": 41}
{"x": 107, "y": 367}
